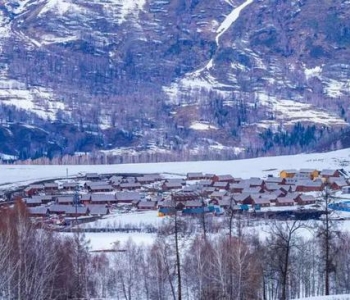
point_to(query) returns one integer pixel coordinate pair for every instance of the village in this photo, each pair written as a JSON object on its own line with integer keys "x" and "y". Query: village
{"x": 93, "y": 196}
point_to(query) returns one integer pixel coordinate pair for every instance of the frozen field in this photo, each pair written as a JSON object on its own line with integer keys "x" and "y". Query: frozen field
{"x": 12, "y": 175}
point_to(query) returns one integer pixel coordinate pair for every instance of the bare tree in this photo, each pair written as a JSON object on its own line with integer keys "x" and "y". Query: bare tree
{"x": 282, "y": 240}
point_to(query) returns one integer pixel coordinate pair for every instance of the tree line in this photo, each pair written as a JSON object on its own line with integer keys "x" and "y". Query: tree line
{"x": 190, "y": 258}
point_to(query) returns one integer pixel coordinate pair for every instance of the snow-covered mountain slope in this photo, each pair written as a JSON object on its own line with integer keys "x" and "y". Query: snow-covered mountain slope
{"x": 153, "y": 68}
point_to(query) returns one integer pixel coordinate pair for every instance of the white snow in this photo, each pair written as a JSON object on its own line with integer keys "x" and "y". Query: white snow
{"x": 313, "y": 72}
{"x": 115, "y": 220}
{"x": 36, "y": 99}
{"x": 334, "y": 88}
{"x": 108, "y": 240}
{"x": 293, "y": 112}
{"x": 289, "y": 112}
{"x": 59, "y": 7}
{"x": 51, "y": 39}
{"x": 202, "y": 126}
{"x": 332, "y": 297}
{"x": 201, "y": 78}
{"x": 13, "y": 175}
{"x": 123, "y": 8}
{"x": 230, "y": 19}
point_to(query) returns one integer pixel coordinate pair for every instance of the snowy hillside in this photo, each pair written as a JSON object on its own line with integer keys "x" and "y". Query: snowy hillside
{"x": 268, "y": 77}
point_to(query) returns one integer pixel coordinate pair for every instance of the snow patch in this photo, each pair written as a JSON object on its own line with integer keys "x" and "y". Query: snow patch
{"x": 202, "y": 126}
{"x": 123, "y": 8}
{"x": 37, "y": 100}
{"x": 332, "y": 297}
{"x": 289, "y": 112}
{"x": 314, "y": 72}
{"x": 335, "y": 88}
{"x": 230, "y": 19}
{"x": 59, "y": 7}
{"x": 51, "y": 39}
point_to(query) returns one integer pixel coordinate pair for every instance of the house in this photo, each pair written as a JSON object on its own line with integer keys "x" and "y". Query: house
{"x": 34, "y": 189}
{"x": 285, "y": 188}
{"x": 223, "y": 178}
{"x": 69, "y": 186}
{"x": 145, "y": 179}
{"x": 275, "y": 180}
{"x": 291, "y": 181}
{"x": 310, "y": 173}
{"x": 40, "y": 211}
{"x": 182, "y": 196}
{"x": 115, "y": 180}
{"x": 208, "y": 176}
{"x": 205, "y": 183}
{"x": 326, "y": 173}
{"x": 50, "y": 187}
{"x": 58, "y": 209}
{"x": 147, "y": 205}
{"x": 169, "y": 204}
{"x": 303, "y": 199}
{"x": 76, "y": 211}
{"x": 172, "y": 185}
{"x": 32, "y": 202}
{"x": 226, "y": 202}
{"x": 284, "y": 201}
{"x": 290, "y": 173}
{"x": 98, "y": 210}
{"x": 208, "y": 191}
{"x": 127, "y": 197}
{"x": 85, "y": 198}
{"x": 36, "y": 199}
{"x": 218, "y": 195}
{"x": 309, "y": 186}
{"x": 336, "y": 183}
{"x": 194, "y": 208}
{"x": 255, "y": 182}
{"x": 243, "y": 198}
{"x": 292, "y": 196}
{"x": 65, "y": 200}
{"x": 101, "y": 188}
{"x": 130, "y": 186}
{"x": 259, "y": 201}
{"x": 253, "y": 190}
{"x": 237, "y": 187}
{"x": 92, "y": 176}
{"x": 276, "y": 193}
{"x": 221, "y": 185}
{"x": 195, "y": 176}
{"x": 105, "y": 199}
{"x": 271, "y": 186}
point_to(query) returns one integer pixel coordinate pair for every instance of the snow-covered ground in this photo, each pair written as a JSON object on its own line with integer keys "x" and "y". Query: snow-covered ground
{"x": 14, "y": 175}
{"x": 124, "y": 219}
{"x": 332, "y": 297}
{"x": 98, "y": 241}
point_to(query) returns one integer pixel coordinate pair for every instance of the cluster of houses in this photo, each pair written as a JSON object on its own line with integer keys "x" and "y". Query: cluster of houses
{"x": 96, "y": 195}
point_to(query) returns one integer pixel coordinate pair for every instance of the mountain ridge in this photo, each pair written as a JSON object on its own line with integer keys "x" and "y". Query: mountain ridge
{"x": 178, "y": 76}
